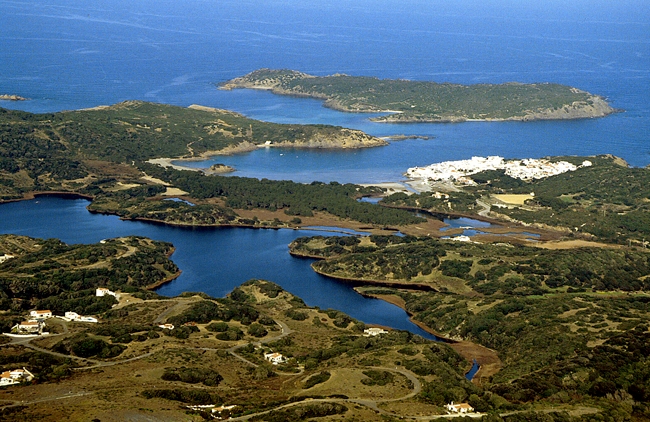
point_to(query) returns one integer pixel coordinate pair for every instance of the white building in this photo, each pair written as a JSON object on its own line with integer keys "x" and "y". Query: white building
{"x": 275, "y": 358}
{"x": 73, "y": 316}
{"x": 103, "y": 291}
{"x": 459, "y": 408}
{"x": 28, "y": 327}
{"x": 41, "y": 314}
{"x": 166, "y": 326}
{"x": 15, "y": 376}
{"x": 373, "y": 331}
{"x": 5, "y": 257}
{"x": 458, "y": 171}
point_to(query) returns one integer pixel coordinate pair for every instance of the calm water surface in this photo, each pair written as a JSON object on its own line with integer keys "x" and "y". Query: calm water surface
{"x": 73, "y": 54}
{"x": 213, "y": 261}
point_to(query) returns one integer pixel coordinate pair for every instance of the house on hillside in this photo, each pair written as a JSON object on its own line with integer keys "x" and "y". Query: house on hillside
{"x": 28, "y": 327}
{"x": 73, "y": 316}
{"x": 15, "y": 376}
{"x": 459, "y": 408}
{"x": 5, "y": 257}
{"x": 103, "y": 291}
{"x": 275, "y": 358}
{"x": 374, "y": 331}
{"x": 167, "y": 326}
{"x": 41, "y": 314}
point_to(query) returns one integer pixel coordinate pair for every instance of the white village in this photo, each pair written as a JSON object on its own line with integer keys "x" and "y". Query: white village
{"x": 457, "y": 171}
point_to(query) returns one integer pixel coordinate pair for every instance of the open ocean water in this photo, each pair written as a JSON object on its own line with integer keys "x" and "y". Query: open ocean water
{"x": 76, "y": 54}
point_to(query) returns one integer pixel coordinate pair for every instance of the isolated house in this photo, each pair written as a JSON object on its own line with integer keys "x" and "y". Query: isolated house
{"x": 459, "y": 408}
{"x": 15, "y": 376}
{"x": 167, "y": 326}
{"x": 103, "y": 291}
{"x": 73, "y": 316}
{"x": 275, "y": 358}
{"x": 373, "y": 331}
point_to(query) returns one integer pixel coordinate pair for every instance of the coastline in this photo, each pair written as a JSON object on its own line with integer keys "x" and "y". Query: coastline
{"x": 487, "y": 359}
{"x": 279, "y": 82}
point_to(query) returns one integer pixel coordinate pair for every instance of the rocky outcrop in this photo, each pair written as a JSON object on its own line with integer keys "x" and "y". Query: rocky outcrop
{"x": 595, "y": 106}
{"x": 11, "y": 97}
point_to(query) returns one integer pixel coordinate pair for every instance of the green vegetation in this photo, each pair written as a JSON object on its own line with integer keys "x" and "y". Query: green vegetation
{"x": 48, "y": 274}
{"x": 86, "y": 346}
{"x": 303, "y": 412}
{"x": 377, "y": 377}
{"x": 102, "y": 153}
{"x": 244, "y": 193}
{"x": 140, "y": 131}
{"x": 420, "y": 101}
{"x": 319, "y": 378}
{"x": 607, "y": 200}
{"x": 485, "y": 268}
{"x": 205, "y": 376}
{"x": 582, "y": 311}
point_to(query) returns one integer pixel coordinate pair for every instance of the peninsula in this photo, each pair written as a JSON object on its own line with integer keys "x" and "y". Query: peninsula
{"x": 408, "y": 101}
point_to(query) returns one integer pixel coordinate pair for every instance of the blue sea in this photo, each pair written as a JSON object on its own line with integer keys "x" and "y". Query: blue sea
{"x": 75, "y": 54}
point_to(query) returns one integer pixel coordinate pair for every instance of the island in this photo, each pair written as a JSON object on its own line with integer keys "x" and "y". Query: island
{"x": 406, "y": 101}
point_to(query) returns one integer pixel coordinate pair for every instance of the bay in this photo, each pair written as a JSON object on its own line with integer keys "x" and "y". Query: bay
{"x": 73, "y": 54}
{"x": 212, "y": 260}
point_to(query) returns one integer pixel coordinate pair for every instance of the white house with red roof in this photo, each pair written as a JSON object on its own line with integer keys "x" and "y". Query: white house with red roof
{"x": 41, "y": 314}
{"x": 459, "y": 408}
{"x": 15, "y": 376}
{"x": 103, "y": 291}
{"x": 275, "y": 358}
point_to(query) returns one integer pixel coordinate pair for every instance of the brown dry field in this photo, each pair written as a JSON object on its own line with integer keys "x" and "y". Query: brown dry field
{"x": 114, "y": 392}
{"x": 572, "y": 244}
{"x": 514, "y": 199}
